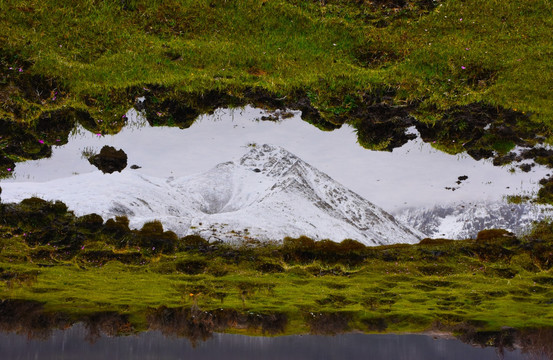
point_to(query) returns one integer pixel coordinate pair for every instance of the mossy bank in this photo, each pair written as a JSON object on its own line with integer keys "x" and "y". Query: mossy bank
{"x": 82, "y": 266}
{"x": 473, "y": 76}
{"x": 470, "y": 75}
{"x": 341, "y": 54}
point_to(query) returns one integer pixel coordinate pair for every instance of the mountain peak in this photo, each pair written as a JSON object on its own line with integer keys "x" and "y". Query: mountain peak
{"x": 269, "y": 160}
{"x": 267, "y": 194}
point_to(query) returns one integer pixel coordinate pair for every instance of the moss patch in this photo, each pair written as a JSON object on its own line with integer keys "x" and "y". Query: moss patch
{"x": 76, "y": 266}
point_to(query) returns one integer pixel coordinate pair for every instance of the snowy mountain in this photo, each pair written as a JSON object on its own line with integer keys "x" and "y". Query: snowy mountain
{"x": 267, "y": 194}
{"x": 465, "y": 220}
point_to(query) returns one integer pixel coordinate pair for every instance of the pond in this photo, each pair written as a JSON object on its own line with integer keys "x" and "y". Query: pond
{"x": 415, "y": 182}
{"x": 429, "y": 190}
{"x": 73, "y": 344}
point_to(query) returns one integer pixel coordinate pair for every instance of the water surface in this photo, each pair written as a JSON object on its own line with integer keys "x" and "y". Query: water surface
{"x": 72, "y": 344}
{"x": 414, "y": 175}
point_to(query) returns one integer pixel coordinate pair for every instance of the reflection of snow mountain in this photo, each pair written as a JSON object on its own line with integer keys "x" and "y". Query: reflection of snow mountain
{"x": 269, "y": 193}
{"x": 465, "y": 220}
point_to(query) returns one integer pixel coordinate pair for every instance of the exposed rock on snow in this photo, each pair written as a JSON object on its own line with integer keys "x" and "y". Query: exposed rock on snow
{"x": 267, "y": 194}
{"x": 465, "y": 220}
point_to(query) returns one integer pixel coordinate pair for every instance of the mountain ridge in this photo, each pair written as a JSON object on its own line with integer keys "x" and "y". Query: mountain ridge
{"x": 267, "y": 194}
{"x": 463, "y": 220}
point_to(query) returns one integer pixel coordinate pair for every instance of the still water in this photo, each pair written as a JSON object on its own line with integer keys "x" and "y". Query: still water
{"x": 72, "y": 344}
{"x": 415, "y": 175}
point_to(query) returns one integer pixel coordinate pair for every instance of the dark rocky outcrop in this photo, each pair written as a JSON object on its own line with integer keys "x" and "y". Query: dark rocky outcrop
{"x": 109, "y": 160}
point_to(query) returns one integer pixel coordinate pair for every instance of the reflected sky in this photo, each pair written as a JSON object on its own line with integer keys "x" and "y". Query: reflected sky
{"x": 411, "y": 176}
{"x": 70, "y": 344}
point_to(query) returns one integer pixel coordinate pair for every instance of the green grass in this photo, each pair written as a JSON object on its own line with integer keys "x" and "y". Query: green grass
{"x": 343, "y": 57}
{"x": 338, "y": 52}
{"x": 79, "y": 267}
{"x": 373, "y": 289}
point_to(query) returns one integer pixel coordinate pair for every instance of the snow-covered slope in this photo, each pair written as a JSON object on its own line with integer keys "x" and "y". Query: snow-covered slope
{"x": 267, "y": 194}
{"x": 465, "y": 220}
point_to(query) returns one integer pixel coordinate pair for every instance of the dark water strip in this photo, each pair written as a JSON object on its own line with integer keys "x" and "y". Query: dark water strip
{"x": 72, "y": 344}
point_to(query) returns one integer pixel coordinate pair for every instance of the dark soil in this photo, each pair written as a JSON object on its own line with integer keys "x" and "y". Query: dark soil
{"x": 328, "y": 323}
{"x": 545, "y": 194}
{"x": 35, "y": 141}
{"x": 165, "y": 108}
{"x": 29, "y": 317}
{"x": 383, "y": 127}
{"x": 482, "y": 130}
{"x": 197, "y": 325}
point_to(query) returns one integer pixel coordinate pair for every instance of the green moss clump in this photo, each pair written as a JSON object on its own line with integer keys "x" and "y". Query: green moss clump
{"x": 319, "y": 287}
